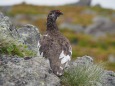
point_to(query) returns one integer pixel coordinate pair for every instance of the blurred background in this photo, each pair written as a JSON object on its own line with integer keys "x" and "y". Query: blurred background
{"x": 88, "y": 24}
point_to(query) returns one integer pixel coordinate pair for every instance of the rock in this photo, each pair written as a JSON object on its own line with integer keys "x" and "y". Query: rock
{"x": 111, "y": 58}
{"x": 88, "y": 11}
{"x": 101, "y": 26}
{"x": 22, "y": 19}
{"x": 7, "y": 27}
{"x": 15, "y": 71}
{"x": 5, "y": 23}
{"x": 30, "y": 35}
{"x": 5, "y": 9}
{"x": 82, "y": 61}
{"x": 98, "y": 5}
{"x": 109, "y": 78}
{"x": 101, "y": 19}
{"x": 84, "y": 3}
{"x": 73, "y": 27}
{"x": 27, "y": 34}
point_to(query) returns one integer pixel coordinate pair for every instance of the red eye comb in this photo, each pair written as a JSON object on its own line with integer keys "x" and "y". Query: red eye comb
{"x": 58, "y": 11}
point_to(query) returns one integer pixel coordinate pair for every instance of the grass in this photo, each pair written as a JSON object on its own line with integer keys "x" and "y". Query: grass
{"x": 83, "y": 75}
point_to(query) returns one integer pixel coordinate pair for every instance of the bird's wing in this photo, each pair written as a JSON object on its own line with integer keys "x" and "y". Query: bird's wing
{"x": 66, "y": 50}
{"x": 49, "y": 47}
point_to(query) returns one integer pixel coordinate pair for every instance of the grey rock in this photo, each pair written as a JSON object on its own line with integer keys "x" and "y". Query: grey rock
{"x": 111, "y": 58}
{"x": 6, "y": 9}
{"x": 88, "y": 11}
{"x": 84, "y": 3}
{"x": 15, "y": 71}
{"x": 113, "y": 15}
{"x": 33, "y": 72}
{"x": 27, "y": 34}
{"x": 101, "y": 26}
{"x": 7, "y": 27}
{"x": 30, "y": 36}
{"x": 19, "y": 19}
{"x": 98, "y": 5}
{"x": 82, "y": 61}
{"x": 109, "y": 78}
{"x": 73, "y": 27}
{"x": 101, "y": 19}
{"x": 1, "y": 15}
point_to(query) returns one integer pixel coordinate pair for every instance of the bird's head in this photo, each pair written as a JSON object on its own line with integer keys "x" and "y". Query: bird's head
{"x": 54, "y": 14}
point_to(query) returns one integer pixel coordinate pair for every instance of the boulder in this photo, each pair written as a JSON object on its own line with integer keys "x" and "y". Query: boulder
{"x": 109, "y": 78}
{"x": 84, "y": 3}
{"x": 15, "y": 71}
{"x": 111, "y": 58}
{"x": 30, "y": 36}
{"x": 27, "y": 34}
{"x": 74, "y": 27}
{"x": 82, "y": 61}
{"x": 101, "y": 26}
{"x": 7, "y": 27}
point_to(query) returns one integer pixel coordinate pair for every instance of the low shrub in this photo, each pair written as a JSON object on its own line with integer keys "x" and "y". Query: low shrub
{"x": 83, "y": 75}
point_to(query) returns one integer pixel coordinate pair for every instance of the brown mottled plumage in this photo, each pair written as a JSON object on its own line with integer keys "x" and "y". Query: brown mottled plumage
{"x": 54, "y": 46}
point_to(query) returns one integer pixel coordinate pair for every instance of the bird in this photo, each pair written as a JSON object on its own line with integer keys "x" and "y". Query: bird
{"x": 54, "y": 46}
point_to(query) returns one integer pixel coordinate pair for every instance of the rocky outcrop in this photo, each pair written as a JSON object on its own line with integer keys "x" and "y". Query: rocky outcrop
{"x": 73, "y": 27}
{"x": 15, "y": 71}
{"x": 84, "y": 3}
{"x": 27, "y": 34}
{"x": 5, "y": 9}
{"x": 101, "y": 26}
{"x": 30, "y": 36}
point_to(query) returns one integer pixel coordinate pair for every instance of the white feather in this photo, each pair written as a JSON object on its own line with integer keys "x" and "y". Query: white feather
{"x": 59, "y": 73}
{"x": 38, "y": 44}
{"x": 61, "y": 68}
{"x": 62, "y": 55}
{"x": 38, "y": 53}
{"x": 41, "y": 54}
{"x": 70, "y": 50}
{"x": 64, "y": 58}
{"x": 46, "y": 35}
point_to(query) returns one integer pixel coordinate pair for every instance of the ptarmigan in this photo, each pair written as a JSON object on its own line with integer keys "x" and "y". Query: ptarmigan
{"x": 54, "y": 46}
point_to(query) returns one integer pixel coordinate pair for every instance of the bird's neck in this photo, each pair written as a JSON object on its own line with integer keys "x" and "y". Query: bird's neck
{"x": 51, "y": 25}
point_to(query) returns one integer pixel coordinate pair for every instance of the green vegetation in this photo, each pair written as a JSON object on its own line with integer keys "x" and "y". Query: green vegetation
{"x": 10, "y": 46}
{"x": 83, "y": 75}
